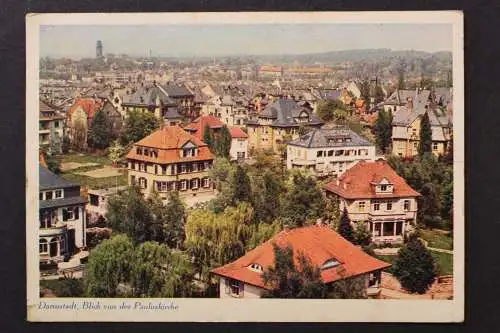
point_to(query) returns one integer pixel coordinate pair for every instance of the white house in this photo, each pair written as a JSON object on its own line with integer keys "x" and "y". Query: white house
{"x": 239, "y": 144}
{"x": 329, "y": 151}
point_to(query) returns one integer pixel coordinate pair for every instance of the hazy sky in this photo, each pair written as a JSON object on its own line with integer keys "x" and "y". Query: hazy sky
{"x": 208, "y": 40}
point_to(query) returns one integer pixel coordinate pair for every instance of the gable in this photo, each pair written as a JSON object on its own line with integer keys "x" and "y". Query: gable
{"x": 188, "y": 145}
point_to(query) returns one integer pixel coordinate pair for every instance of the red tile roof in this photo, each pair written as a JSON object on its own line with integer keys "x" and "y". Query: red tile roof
{"x": 168, "y": 140}
{"x": 357, "y": 182}
{"x": 197, "y": 126}
{"x": 88, "y": 105}
{"x": 237, "y": 133}
{"x": 319, "y": 243}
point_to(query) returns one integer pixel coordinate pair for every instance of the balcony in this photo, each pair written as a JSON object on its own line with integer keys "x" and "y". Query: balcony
{"x": 302, "y": 162}
{"x": 54, "y": 230}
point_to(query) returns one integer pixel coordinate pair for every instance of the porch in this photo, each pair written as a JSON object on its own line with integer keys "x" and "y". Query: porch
{"x": 387, "y": 231}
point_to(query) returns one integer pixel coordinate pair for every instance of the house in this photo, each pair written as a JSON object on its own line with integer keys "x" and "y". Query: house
{"x": 277, "y": 123}
{"x": 61, "y": 218}
{"x": 239, "y": 144}
{"x": 97, "y": 206}
{"x": 336, "y": 257}
{"x": 170, "y": 159}
{"x": 399, "y": 98}
{"x": 406, "y": 127}
{"x": 148, "y": 98}
{"x": 328, "y": 151}
{"x": 114, "y": 117}
{"x": 183, "y": 98}
{"x": 50, "y": 128}
{"x": 239, "y": 139}
{"x": 79, "y": 118}
{"x": 374, "y": 194}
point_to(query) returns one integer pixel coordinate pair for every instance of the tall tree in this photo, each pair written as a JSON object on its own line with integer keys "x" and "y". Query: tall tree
{"x": 100, "y": 132}
{"x": 129, "y": 213}
{"x": 137, "y": 126}
{"x": 267, "y": 197}
{"x": 414, "y": 267}
{"x": 242, "y": 190}
{"x": 157, "y": 271}
{"x": 425, "y": 144}
{"x": 345, "y": 228}
{"x": 401, "y": 75}
{"x": 383, "y": 130}
{"x": 303, "y": 201}
{"x": 174, "y": 221}
{"x": 223, "y": 143}
{"x": 361, "y": 234}
{"x": 207, "y": 137}
{"x": 109, "y": 265}
{"x": 288, "y": 281}
{"x": 429, "y": 206}
{"x": 115, "y": 152}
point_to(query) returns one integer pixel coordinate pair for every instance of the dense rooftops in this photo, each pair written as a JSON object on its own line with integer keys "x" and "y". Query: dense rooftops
{"x": 330, "y": 137}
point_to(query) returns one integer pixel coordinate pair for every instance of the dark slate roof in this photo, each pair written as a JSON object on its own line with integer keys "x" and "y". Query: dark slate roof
{"x": 319, "y": 138}
{"x": 50, "y": 181}
{"x": 147, "y": 96}
{"x": 173, "y": 90}
{"x": 62, "y": 202}
{"x": 329, "y": 94}
{"x": 172, "y": 113}
{"x": 283, "y": 111}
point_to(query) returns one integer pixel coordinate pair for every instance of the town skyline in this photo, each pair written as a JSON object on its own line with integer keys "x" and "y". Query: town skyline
{"x": 241, "y": 40}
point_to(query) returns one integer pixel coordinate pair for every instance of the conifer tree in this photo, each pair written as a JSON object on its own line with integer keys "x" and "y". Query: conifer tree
{"x": 223, "y": 143}
{"x": 100, "y": 131}
{"x": 242, "y": 190}
{"x": 414, "y": 267}
{"x": 207, "y": 137}
{"x": 425, "y": 145}
{"x": 345, "y": 227}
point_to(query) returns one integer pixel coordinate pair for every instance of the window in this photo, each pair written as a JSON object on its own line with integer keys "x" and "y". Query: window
{"x": 319, "y": 154}
{"x": 406, "y": 205}
{"x": 41, "y": 196}
{"x": 414, "y": 131}
{"x": 383, "y": 188}
{"x": 376, "y": 206}
{"x": 132, "y": 180}
{"x": 58, "y": 194}
{"x": 48, "y": 195}
{"x": 435, "y": 146}
{"x": 389, "y": 206}
{"x": 138, "y": 150}
{"x": 132, "y": 165}
{"x": 156, "y": 169}
{"x": 56, "y": 124}
{"x": 71, "y": 213}
{"x": 44, "y": 247}
{"x": 183, "y": 168}
{"x": 194, "y": 183}
{"x": 339, "y": 152}
{"x": 207, "y": 165}
{"x": 146, "y": 151}
{"x": 206, "y": 182}
{"x": 330, "y": 153}
{"x": 361, "y": 206}
{"x": 330, "y": 263}
{"x": 415, "y": 145}
{"x": 143, "y": 182}
{"x": 93, "y": 200}
{"x": 234, "y": 288}
{"x": 143, "y": 167}
{"x": 183, "y": 185}
{"x": 256, "y": 268}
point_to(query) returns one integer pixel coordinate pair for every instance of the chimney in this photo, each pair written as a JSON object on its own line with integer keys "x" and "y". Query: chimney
{"x": 410, "y": 104}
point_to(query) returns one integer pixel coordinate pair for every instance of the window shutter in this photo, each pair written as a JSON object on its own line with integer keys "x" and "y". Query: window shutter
{"x": 242, "y": 288}
{"x": 65, "y": 214}
{"x": 77, "y": 213}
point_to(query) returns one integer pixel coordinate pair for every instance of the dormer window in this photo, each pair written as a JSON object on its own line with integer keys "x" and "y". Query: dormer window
{"x": 330, "y": 263}
{"x": 138, "y": 150}
{"x": 256, "y": 268}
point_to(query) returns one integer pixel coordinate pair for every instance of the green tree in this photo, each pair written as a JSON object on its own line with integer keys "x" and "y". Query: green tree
{"x": 129, "y": 213}
{"x": 158, "y": 271}
{"x": 109, "y": 265}
{"x": 223, "y": 143}
{"x": 262, "y": 232}
{"x": 429, "y": 206}
{"x": 116, "y": 151}
{"x": 214, "y": 239}
{"x": 414, "y": 267}
{"x": 65, "y": 144}
{"x": 266, "y": 197}
{"x": 207, "y": 137}
{"x": 241, "y": 188}
{"x": 174, "y": 220}
{"x": 401, "y": 75}
{"x": 425, "y": 144}
{"x": 53, "y": 163}
{"x": 383, "y": 130}
{"x": 288, "y": 281}
{"x": 362, "y": 235}
{"x": 137, "y": 126}
{"x": 331, "y": 214}
{"x": 345, "y": 228}
{"x": 448, "y": 155}
{"x": 304, "y": 201}
{"x": 65, "y": 287}
{"x": 100, "y": 133}
{"x": 326, "y": 108}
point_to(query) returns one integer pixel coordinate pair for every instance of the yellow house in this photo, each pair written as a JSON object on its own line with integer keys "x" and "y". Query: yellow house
{"x": 406, "y": 129}
{"x": 278, "y": 123}
{"x": 170, "y": 159}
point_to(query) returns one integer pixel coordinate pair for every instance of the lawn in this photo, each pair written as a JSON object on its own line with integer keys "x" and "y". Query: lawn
{"x": 90, "y": 182}
{"x": 438, "y": 239}
{"x": 444, "y": 262}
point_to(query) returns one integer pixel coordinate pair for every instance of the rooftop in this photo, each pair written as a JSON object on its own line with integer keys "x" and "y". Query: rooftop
{"x": 51, "y": 181}
{"x": 319, "y": 243}
{"x": 330, "y": 137}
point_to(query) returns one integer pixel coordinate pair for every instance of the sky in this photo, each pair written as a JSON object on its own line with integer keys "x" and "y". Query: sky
{"x": 215, "y": 40}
